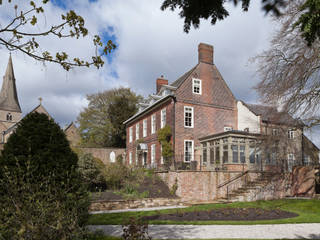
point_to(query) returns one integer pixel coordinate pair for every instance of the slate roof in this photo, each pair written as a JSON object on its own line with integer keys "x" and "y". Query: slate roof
{"x": 181, "y": 79}
{"x": 8, "y": 95}
{"x": 164, "y": 98}
{"x": 271, "y": 114}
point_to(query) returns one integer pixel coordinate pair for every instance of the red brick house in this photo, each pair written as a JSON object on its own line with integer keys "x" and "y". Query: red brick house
{"x": 201, "y": 111}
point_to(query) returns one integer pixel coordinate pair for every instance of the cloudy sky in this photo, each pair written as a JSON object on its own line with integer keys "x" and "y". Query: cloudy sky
{"x": 150, "y": 43}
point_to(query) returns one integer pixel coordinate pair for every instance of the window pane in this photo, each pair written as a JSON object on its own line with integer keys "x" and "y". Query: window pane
{"x": 242, "y": 154}
{"x": 217, "y": 159}
{"x": 251, "y": 154}
{"x": 188, "y": 117}
{"x": 225, "y": 154}
{"x": 204, "y": 153}
{"x": 188, "y": 151}
{"x": 234, "y": 149}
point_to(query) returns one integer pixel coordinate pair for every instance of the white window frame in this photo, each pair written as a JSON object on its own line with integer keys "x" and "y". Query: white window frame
{"x": 195, "y": 85}
{"x": 130, "y": 158}
{"x": 153, "y": 123}
{"x": 130, "y": 134}
{"x": 192, "y": 150}
{"x": 153, "y": 153}
{"x": 184, "y": 118}
{"x": 145, "y": 128}
{"x": 291, "y": 133}
{"x": 137, "y": 131}
{"x": 163, "y": 117}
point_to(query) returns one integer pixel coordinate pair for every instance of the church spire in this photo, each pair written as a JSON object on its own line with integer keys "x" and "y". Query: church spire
{"x": 8, "y": 95}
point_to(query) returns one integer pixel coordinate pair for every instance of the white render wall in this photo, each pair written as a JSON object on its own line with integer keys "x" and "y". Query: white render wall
{"x": 247, "y": 119}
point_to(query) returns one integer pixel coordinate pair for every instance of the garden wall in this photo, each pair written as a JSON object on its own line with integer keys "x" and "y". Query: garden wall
{"x": 200, "y": 185}
{"x": 104, "y": 154}
{"x": 203, "y": 185}
{"x": 131, "y": 204}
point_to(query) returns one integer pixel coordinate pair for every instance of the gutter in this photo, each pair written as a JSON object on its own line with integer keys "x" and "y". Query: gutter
{"x": 148, "y": 109}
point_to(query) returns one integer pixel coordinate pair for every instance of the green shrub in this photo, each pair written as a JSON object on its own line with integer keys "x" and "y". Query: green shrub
{"x": 164, "y": 137}
{"x": 174, "y": 187}
{"x": 116, "y": 175}
{"x": 42, "y": 194}
{"x": 93, "y": 171}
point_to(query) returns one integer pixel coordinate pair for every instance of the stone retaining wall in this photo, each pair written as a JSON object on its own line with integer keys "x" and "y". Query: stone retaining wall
{"x": 203, "y": 185}
{"x": 131, "y": 204}
{"x": 200, "y": 185}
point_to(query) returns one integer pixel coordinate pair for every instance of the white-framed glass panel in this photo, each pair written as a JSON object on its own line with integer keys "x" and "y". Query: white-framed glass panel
{"x": 204, "y": 154}
{"x": 196, "y": 86}
{"x": 291, "y": 134}
{"x": 153, "y": 124}
{"x": 225, "y": 156}
{"x": 130, "y": 158}
{"x": 137, "y": 131}
{"x": 153, "y": 153}
{"x": 145, "y": 127}
{"x": 242, "y": 154}
{"x": 235, "y": 157}
{"x": 130, "y": 134}
{"x": 188, "y": 117}
{"x": 163, "y": 117}
{"x": 252, "y": 157}
{"x": 188, "y": 150}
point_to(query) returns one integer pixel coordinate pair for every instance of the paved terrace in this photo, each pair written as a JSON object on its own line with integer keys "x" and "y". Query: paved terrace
{"x": 272, "y": 231}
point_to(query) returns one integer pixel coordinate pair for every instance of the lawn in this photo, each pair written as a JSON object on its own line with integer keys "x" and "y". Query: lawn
{"x": 308, "y": 211}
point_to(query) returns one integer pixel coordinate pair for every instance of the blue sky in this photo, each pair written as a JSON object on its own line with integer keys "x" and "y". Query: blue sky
{"x": 150, "y": 43}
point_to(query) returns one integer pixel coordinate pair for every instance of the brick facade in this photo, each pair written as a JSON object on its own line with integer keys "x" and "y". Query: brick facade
{"x": 151, "y": 138}
{"x": 213, "y": 109}
{"x": 203, "y": 96}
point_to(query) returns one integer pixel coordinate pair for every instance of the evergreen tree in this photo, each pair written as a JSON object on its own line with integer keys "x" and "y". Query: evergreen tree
{"x": 42, "y": 195}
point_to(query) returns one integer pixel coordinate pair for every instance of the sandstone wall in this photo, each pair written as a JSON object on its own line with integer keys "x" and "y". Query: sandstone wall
{"x": 203, "y": 185}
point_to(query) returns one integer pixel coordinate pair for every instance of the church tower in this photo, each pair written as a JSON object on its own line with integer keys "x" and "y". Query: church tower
{"x": 10, "y": 111}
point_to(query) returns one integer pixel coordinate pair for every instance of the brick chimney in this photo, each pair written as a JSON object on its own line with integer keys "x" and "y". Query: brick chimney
{"x": 205, "y": 53}
{"x": 161, "y": 81}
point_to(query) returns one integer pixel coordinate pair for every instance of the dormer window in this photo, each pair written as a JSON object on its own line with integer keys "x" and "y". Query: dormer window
{"x": 9, "y": 117}
{"x": 196, "y": 86}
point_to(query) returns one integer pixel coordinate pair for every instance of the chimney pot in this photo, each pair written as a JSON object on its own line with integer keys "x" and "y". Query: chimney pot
{"x": 161, "y": 81}
{"x": 205, "y": 52}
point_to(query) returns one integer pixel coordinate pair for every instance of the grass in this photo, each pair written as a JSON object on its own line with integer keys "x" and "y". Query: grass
{"x": 308, "y": 210}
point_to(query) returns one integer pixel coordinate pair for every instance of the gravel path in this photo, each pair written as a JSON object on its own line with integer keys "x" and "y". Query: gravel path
{"x": 277, "y": 231}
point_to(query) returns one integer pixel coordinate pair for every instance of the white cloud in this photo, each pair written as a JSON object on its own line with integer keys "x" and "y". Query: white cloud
{"x": 150, "y": 42}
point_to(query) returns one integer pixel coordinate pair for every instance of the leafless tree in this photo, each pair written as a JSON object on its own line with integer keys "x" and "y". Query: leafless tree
{"x": 21, "y": 33}
{"x": 289, "y": 70}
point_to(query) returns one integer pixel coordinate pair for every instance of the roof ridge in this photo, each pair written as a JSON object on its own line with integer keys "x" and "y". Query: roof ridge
{"x": 183, "y": 77}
